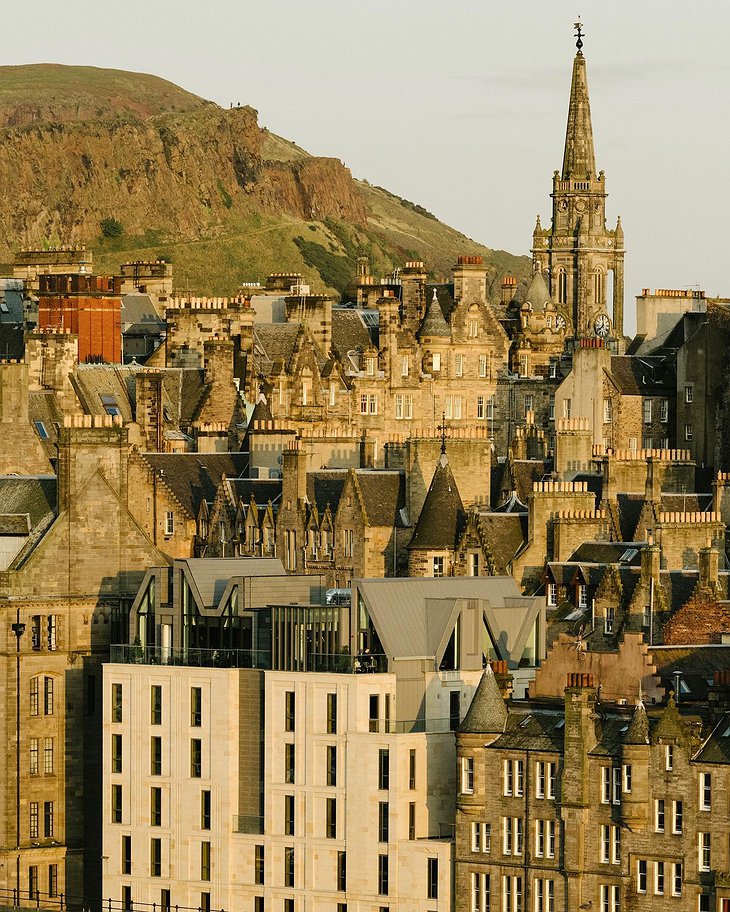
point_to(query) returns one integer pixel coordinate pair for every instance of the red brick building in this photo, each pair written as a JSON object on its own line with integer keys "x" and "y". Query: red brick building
{"x": 87, "y": 305}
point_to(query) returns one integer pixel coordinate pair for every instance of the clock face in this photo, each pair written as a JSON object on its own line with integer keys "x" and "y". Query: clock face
{"x": 560, "y": 322}
{"x": 602, "y": 326}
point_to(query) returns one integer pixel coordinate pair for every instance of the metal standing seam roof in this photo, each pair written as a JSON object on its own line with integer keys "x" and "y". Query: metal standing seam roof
{"x": 211, "y": 575}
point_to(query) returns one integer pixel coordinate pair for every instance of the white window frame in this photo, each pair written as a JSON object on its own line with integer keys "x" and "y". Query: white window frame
{"x": 677, "y": 876}
{"x": 705, "y": 791}
{"x": 647, "y": 411}
{"x": 607, "y": 411}
{"x": 627, "y": 778}
{"x": 169, "y": 522}
{"x": 704, "y": 861}
{"x": 605, "y": 785}
{"x": 689, "y": 393}
{"x": 467, "y": 775}
{"x": 659, "y": 815}
{"x": 482, "y": 366}
{"x": 642, "y": 875}
{"x": 436, "y": 362}
{"x": 659, "y": 872}
{"x": 552, "y": 595}
{"x": 405, "y": 366}
{"x": 677, "y": 817}
{"x": 552, "y": 771}
{"x": 458, "y": 365}
{"x": 664, "y": 411}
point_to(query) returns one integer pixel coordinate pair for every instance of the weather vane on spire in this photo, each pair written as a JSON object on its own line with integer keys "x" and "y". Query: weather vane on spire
{"x": 443, "y": 427}
{"x": 579, "y": 35}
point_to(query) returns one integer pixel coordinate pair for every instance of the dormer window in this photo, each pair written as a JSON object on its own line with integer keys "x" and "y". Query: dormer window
{"x": 370, "y": 366}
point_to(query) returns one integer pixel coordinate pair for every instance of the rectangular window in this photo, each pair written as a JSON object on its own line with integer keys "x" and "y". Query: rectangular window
{"x": 196, "y": 707}
{"x": 647, "y": 411}
{"x": 677, "y": 817}
{"x": 438, "y": 566}
{"x": 582, "y": 596}
{"x": 703, "y": 902}
{"x": 33, "y": 820}
{"x": 164, "y": 900}
{"x": 196, "y": 758}
{"x": 289, "y": 866}
{"x": 459, "y": 365}
{"x": 116, "y": 753}
{"x": 551, "y": 839}
{"x": 704, "y": 851}
{"x": 457, "y": 407}
{"x": 33, "y": 887}
{"x": 528, "y": 405}
{"x": 641, "y": 876}
{"x": 116, "y": 702}
{"x": 552, "y": 779}
{"x": 126, "y": 899}
{"x": 116, "y": 804}
{"x": 51, "y": 632}
{"x": 383, "y": 875}
{"x": 383, "y": 821}
{"x": 289, "y": 815}
{"x": 627, "y": 777}
{"x": 664, "y": 411}
{"x": 567, "y": 407}
{"x": 467, "y": 775}
{"x": 552, "y": 595}
{"x": 331, "y": 828}
{"x": 404, "y": 366}
{"x": 383, "y": 769}
{"x": 449, "y": 407}
{"x": 551, "y": 407}
{"x": 616, "y": 845}
{"x": 616, "y": 781}
{"x": 412, "y": 768}
{"x": 705, "y": 791}
{"x": 33, "y": 761}
{"x": 48, "y": 696}
{"x": 333, "y": 394}
{"x": 432, "y": 875}
{"x": 605, "y": 844}
{"x": 609, "y": 620}
{"x": 289, "y": 761}
{"x": 482, "y": 365}
{"x": 155, "y": 806}
{"x": 205, "y": 809}
{"x": 688, "y": 433}
{"x": 331, "y": 764}
{"x": 258, "y": 864}
{"x": 205, "y": 861}
{"x": 411, "y": 820}
{"x": 169, "y": 523}
{"x": 48, "y": 819}
{"x": 374, "y": 712}
{"x": 289, "y": 711}
{"x": 677, "y": 878}
{"x": 53, "y": 880}
{"x": 540, "y": 779}
{"x": 155, "y": 857}
{"x": 331, "y": 713}
{"x": 607, "y": 411}
{"x": 35, "y": 632}
{"x": 48, "y": 756}
{"x": 659, "y": 878}
{"x": 155, "y": 756}
{"x": 156, "y": 704}
{"x": 689, "y": 395}
{"x": 605, "y": 785}
{"x": 507, "y": 778}
{"x": 341, "y": 876}
{"x": 540, "y": 838}
{"x": 490, "y": 408}
{"x": 669, "y": 757}
{"x": 659, "y": 815}
{"x": 480, "y": 893}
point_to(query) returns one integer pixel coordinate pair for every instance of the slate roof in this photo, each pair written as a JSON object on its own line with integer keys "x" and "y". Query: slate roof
{"x": 686, "y": 503}
{"x": 325, "y": 487}
{"x": 139, "y": 314}
{"x": 92, "y": 381}
{"x": 445, "y": 296}
{"x": 274, "y": 345}
{"x": 531, "y": 729}
{"x": 629, "y": 512}
{"x": 525, "y": 472}
{"x": 348, "y": 332}
{"x": 194, "y": 477}
{"x": 513, "y": 504}
{"x": 635, "y": 376}
{"x": 44, "y": 406}
{"x": 442, "y": 517}
{"x": 261, "y": 411}
{"x": 537, "y": 293}
{"x": 434, "y": 322}
{"x": 487, "y": 711}
{"x": 638, "y": 730}
{"x": 34, "y": 496}
{"x": 504, "y": 534}
{"x": 384, "y": 497}
{"x": 692, "y": 661}
{"x": 262, "y": 490}
{"x": 606, "y": 552}
{"x": 14, "y": 524}
{"x": 716, "y": 748}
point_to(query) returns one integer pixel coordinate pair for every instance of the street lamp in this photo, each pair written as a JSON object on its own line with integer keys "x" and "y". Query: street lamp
{"x": 18, "y": 629}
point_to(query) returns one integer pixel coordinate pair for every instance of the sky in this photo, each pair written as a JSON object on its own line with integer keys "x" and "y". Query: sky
{"x": 457, "y": 105}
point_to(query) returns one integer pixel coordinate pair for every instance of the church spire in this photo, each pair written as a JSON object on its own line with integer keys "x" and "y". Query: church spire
{"x": 579, "y": 161}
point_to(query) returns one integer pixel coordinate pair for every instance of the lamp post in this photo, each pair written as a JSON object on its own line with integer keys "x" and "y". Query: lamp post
{"x": 18, "y": 629}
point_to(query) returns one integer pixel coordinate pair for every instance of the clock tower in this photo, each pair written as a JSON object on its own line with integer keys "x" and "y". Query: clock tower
{"x": 580, "y": 256}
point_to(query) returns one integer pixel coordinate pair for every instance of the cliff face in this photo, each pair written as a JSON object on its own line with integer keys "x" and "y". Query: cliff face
{"x": 183, "y": 174}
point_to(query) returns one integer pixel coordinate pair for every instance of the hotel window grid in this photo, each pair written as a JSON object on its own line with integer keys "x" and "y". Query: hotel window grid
{"x": 544, "y": 895}
{"x": 480, "y": 893}
{"x": 155, "y": 756}
{"x": 432, "y": 878}
{"x": 53, "y": 880}
{"x": 331, "y": 813}
{"x": 116, "y": 804}
{"x": 610, "y": 898}
{"x": 289, "y": 711}
{"x": 512, "y": 836}
{"x": 705, "y": 845}
{"x": 289, "y": 763}
{"x": 48, "y": 819}
{"x": 289, "y": 815}
{"x": 258, "y": 864}
{"x": 467, "y": 775}
{"x": 156, "y": 705}
{"x": 383, "y": 821}
{"x": 205, "y": 809}
{"x": 383, "y": 769}
{"x": 511, "y": 894}
{"x": 341, "y": 873}
{"x": 116, "y": 702}
{"x": 289, "y": 866}
{"x": 48, "y": 756}
{"x": 205, "y": 861}
{"x": 116, "y": 753}
{"x": 705, "y": 791}
{"x": 196, "y": 758}
{"x": 331, "y": 713}
{"x": 677, "y": 817}
{"x": 155, "y": 806}
{"x": 196, "y": 707}
{"x": 33, "y": 761}
{"x": 33, "y": 824}
{"x": 331, "y": 764}
{"x": 155, "y": 857}
{"x": 659, "y": 815}
{"x": 383, "y": 875}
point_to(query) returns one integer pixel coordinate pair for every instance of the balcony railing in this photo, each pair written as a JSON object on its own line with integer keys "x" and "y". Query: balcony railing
{"x": 203, "y": 658}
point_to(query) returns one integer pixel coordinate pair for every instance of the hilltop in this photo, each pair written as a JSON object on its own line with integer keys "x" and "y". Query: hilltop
{"x": 171, "y": 174}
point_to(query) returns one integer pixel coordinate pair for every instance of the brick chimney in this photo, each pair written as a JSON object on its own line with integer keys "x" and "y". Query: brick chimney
{"x": 503, "y": 678}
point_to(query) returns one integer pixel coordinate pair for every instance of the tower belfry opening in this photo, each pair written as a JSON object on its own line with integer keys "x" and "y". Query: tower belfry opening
{"x": 582, "y": 258}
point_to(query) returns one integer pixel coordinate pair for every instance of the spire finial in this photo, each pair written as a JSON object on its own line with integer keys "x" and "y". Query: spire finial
{"x": 443, "y": 428}
{"x": 579, "y": 35}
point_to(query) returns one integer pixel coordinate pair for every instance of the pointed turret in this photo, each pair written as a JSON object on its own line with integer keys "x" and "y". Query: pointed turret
{"x": 434, "y": 322}
{"x": 537, "y": 294}
{"x": 487, "y": 713}
{"x": 638, "y": 730}
{"x": 442, "y": 516}
{"x": 579, "y": 160}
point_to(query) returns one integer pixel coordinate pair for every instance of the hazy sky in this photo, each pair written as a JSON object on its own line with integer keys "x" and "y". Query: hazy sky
{"x": 457, "y": 105}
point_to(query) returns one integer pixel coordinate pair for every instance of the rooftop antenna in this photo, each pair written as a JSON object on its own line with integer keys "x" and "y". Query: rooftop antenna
{"x": 579, "y": 35}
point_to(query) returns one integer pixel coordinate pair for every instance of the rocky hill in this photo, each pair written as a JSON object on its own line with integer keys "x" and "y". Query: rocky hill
{"x": 136, "y": 167}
